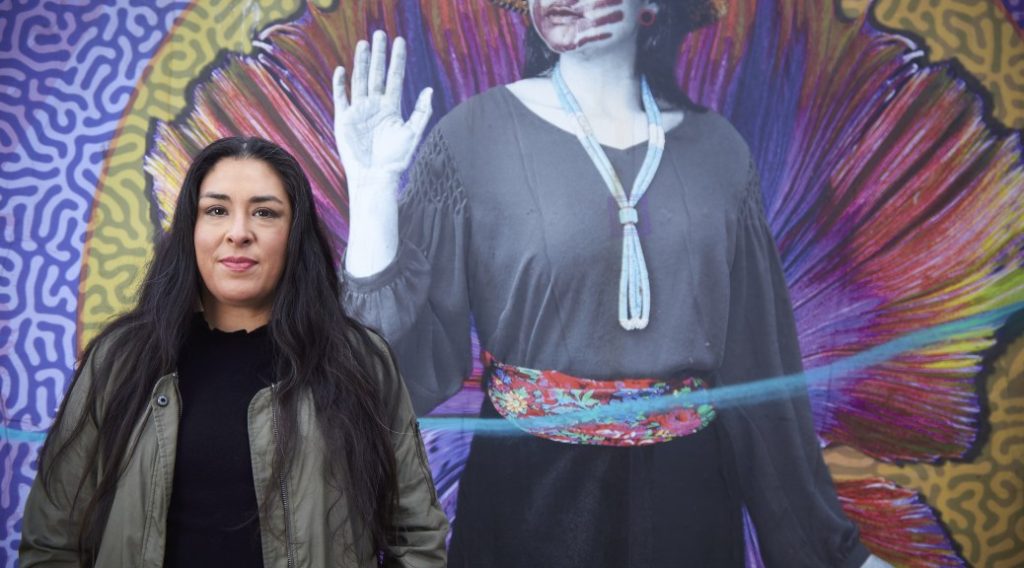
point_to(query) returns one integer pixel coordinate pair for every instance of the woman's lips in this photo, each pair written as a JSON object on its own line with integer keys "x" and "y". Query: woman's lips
{"x": 582, "y": 16}
{"x": 238, "y": 263}
{"x": 563, "y": 12}
{"x": 562, "y": 16}
{"x": 566, "y": 25}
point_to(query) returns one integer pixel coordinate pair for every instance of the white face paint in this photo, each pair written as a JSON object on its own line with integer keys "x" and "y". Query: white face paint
{"x": 570, "y": 25}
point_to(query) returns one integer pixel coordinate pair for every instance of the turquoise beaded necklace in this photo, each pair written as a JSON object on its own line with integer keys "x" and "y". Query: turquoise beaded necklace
{"x": 634, "y": 281}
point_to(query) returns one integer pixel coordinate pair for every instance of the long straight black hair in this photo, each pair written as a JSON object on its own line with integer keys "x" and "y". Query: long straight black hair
{"x": 658, "y": 49}
{"x": 318, "y": 350}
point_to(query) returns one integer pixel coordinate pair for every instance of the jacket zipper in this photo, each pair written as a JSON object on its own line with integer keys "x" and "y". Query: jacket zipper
{"x": 281, "y": 481}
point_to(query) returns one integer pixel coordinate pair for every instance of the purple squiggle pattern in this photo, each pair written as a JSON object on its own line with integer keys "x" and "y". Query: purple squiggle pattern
{"x": 1015, "y": 8}
{"x": 66, "y": 74}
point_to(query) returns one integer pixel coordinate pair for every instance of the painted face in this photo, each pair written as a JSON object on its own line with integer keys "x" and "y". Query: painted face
{"x": 568, "y": 25}
{"x": 241, "y": 234}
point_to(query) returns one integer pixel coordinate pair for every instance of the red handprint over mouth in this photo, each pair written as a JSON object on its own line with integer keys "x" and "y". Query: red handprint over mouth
{"x": 567, "y": 25}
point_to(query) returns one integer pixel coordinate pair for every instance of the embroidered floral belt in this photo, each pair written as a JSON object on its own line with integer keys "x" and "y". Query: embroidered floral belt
{"x": 519, "y": 393}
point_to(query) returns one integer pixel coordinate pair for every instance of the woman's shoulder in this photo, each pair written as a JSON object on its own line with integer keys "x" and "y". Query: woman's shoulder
{"x": 382, "y": 366}
{"x": 538, "y": 90}
{"x": 707, "y": 147}
{"x": 377, "y": 342}
{"x": 478, "y": 114}
{"x": 473, "y": 135}
{"x": 108, "y": 346}
{"x": 715, "y": 134}
{"x": 372, "y": 348}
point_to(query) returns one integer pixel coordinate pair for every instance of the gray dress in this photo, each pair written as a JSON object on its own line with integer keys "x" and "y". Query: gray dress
{"x": 507, "y": 221}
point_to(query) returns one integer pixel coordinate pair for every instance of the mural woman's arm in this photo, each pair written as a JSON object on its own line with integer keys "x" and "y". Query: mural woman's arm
{"x": 406, "y": 267}
{"x": 376, "y": 145}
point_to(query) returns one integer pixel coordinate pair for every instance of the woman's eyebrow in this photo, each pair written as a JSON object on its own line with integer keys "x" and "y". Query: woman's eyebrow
{"x": 218, "y": 196}
{"x": 265, "y": 199}
{"x": 254, "y": 199}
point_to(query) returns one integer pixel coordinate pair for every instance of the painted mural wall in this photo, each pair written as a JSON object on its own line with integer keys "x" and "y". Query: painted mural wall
{"x": 887, "y": 135}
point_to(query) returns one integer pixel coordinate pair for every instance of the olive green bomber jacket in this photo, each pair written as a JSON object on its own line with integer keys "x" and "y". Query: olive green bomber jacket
{"x": 306, "y": 525}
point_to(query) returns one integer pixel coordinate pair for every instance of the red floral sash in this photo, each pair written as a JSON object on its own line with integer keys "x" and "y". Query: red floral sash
{"x": 519, "y": 393}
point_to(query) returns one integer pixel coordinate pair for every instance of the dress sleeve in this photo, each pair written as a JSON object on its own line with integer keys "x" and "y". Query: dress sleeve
{"x": 784, "y": 481}
{"x": 420, "y": 302}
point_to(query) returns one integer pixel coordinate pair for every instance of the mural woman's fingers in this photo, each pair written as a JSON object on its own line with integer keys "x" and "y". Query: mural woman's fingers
{"x": 378, "y": 60}
{"x": 340, "y": 100}
{"x": 360, "y": 65}
{"x": 396, "y": 74}
{"x": 421, "y": 115}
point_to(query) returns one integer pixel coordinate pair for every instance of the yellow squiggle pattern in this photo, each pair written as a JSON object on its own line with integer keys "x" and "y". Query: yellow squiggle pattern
{"x": 119, "y": 241}
{"x": 976, "y": 33}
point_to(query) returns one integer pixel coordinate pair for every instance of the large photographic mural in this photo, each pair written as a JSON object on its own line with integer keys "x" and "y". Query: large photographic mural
{"x": 887, "y": 135}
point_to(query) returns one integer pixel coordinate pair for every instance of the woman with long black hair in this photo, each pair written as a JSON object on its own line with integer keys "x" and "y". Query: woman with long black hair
{"x": 236, "y": 416}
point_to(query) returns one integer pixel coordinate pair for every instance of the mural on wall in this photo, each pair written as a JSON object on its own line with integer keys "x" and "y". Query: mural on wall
{"x": 66, "y": 75}
{"x": 891, "y": 174}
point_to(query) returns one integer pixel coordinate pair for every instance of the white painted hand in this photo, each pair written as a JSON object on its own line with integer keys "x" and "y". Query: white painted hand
{"x": 372, "y": 138}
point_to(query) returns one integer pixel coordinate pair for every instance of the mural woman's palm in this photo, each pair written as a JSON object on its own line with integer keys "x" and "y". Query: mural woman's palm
{"x": 371, "y": 136}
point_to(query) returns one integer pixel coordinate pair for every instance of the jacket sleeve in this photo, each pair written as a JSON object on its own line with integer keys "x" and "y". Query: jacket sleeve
{"x": 420, "y": 302}
{"x": 53, "y": 519}
{"x": 419, "y": 526}
{"x": 784, "y": 481}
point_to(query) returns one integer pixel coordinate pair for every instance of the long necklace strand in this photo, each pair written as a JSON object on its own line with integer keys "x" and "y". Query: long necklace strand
{"x": 634, "y": 281}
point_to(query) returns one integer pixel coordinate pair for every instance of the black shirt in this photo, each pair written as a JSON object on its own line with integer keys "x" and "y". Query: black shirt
{"x": 213, "y": 518}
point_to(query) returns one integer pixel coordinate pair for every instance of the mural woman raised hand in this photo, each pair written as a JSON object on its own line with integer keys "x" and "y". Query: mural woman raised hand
{"x": 376, "y": 146}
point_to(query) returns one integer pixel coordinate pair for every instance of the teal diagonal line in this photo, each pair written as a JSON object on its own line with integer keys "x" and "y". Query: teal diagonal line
{"x": 735, "y": 395}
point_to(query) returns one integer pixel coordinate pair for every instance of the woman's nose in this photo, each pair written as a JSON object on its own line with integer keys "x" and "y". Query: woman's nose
{"x": 239, "y": 233}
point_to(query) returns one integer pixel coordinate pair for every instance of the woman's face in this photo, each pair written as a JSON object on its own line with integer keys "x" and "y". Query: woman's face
{"x": 570, "y": 25}
{"x": 241, "y": 234}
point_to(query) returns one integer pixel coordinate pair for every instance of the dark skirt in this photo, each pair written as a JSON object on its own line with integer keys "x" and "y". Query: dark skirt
{"x": 526, "y": 501}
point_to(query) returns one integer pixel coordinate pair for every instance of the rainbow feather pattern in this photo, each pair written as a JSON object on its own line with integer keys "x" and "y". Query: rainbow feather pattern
{"x": 895, "y": 204}
{"x": 894, "y": 197}
{"x": 895, "y": 520}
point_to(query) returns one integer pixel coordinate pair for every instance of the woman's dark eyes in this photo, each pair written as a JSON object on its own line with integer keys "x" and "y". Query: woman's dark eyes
{"x": 263, "y": 212}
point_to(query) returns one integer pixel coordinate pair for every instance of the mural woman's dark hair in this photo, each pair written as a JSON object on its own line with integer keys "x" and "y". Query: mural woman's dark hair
{"x": 657, "y": 54}
{"x": 318, "y": 350}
